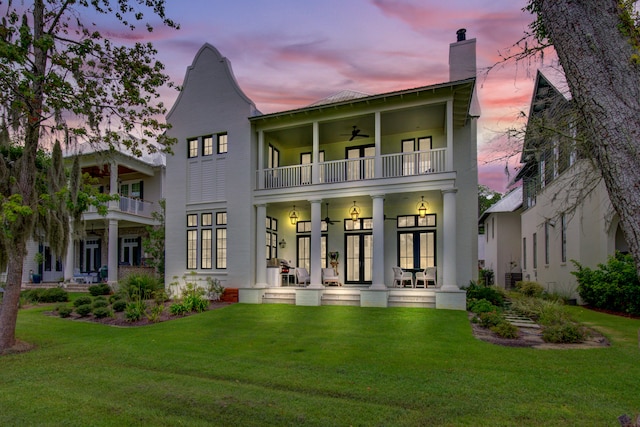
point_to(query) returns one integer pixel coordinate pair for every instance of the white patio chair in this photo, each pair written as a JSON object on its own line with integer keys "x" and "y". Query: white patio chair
{"x": 430, "y": 275}
{"x": 421, "y": 279}
{"x": 329, "y": 277}
{"x": 400, "y": 277}
{"x": 303, "y": 276}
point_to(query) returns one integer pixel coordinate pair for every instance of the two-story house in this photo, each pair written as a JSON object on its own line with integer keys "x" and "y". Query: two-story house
{"x": 566, "y": 211}
{"x": 354, "y": 182}
{"x": 112, "y": 242}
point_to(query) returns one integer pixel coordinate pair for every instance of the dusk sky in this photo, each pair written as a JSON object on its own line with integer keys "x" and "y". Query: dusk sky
{"x": 289, "y": 53}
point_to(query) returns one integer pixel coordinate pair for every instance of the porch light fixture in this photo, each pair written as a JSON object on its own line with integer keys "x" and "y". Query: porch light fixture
{"x": 283, "y": 243}
{"x": 354, "y": 212}
{"x": 423, "y": 207}
{"x": 293, "y": 216}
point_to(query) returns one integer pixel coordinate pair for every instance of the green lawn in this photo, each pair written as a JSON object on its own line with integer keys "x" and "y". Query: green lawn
{"x": 285, "y": 365}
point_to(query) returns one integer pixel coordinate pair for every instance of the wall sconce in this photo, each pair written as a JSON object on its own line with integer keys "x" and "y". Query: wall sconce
{"x": 293, "y": 216}
{"x": 283, "y": 243}
{"x": 354, "y": 212}
{"x": 423, "y": 207}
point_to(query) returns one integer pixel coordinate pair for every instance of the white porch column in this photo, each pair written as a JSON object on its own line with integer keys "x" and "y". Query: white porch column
{"x": 448, "y": 161}
{"x": 260, "y": 184}
{"x": 261, "y": 243}
{"x": 113, "y": 185}
{"x": 316, "y": 245}
{"x": 69, "y": 258}
{"x": 449, "y": 281}
{"x": 112, "y": 258}
{"x": 377, "y": 165}
{"x": 315, "y": 154}
{"x": 378, "y": 242}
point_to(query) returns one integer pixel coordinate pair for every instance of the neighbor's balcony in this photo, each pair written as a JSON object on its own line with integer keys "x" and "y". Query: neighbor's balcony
{"x": 133, "y": 206}
{"x": 391, "y": 166}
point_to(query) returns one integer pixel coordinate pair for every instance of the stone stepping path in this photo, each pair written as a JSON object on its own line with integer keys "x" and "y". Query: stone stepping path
{"x": 520, "y": 321}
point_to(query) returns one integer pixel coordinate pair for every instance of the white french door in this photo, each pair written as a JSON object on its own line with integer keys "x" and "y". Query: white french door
{"x": 359, "y": 258}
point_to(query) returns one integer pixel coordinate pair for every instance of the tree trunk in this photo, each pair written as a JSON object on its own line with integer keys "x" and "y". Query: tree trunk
{"x": 11, "y": 299}
{"x": 605, "y": 84}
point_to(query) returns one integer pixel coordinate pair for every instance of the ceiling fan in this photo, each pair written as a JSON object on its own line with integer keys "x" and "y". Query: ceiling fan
{"x": 355, "y": 133}
{"x": 327, "y": 219}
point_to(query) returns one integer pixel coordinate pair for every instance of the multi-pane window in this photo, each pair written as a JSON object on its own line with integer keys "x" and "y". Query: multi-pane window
{"x": 563, "y": 225}
{"x": 206, "y": 249}
{"x": 207, "y": 145}
{"x": 192, "y": 220}
{"x": 221, "y": 240}
{"x": 192, "y": 249}
{"x": 207, "y": 219}
{"x": 273, "y": 160}
{"x": 416, "y": 248}
{"x": 221, "y": 248}
{"x": 546, "y": 242}
{"x": 222, "y": 143}
{"x": 359, "y": 224}
{"x": 535, "y": 250}
{"x": 271, "y": 238}
{"x": 303, "y": 257}
{"x": 192, "y": 145}
{"x": 408, "y": 221}
{"x": 416, "y": 158}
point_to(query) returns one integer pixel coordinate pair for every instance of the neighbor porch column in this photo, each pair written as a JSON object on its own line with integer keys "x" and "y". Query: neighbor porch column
{"x": 448, "y": 161}
{"x": 261, "y": 243}
{"x": 315, "y": 154}
{"x": 69, "y": 257}
{"x": 112, "y": 254}
{"x": 260, "y": 177}
{"x": 378, "y": 242}
{"x": 113, "y": 185}
{"x": 377, "y": 165}
{"x": 449, "y": 280}
{"x": 316, "y": 245}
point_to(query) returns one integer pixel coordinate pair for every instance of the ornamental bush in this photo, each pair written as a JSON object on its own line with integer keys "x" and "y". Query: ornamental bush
{"x": 567, "y": 332}
{"x": 83, "y": 310}
{"x": 100, "y": 303}
{"x": 119, "y": 305}
{"x": 612, "y": 286}
{"x": 101, "y": 312}
{"x": 101, "y": 289}
{"x": 82, "y": 300}
{"x": 64, "y": 311}
{"x": 481, "y": 306}
{"x": 506, "y": 330}
{"x": 530, "y": 289}
{"x": 490, "y": 293}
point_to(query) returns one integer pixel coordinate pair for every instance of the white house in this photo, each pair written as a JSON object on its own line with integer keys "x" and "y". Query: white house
{"x": 114, "y": 240}
{"x": 501, "y": 239}
{"x": 567, "y": 214}
{"x": 347, "y": 174}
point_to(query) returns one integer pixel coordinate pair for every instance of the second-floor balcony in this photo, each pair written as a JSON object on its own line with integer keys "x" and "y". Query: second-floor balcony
{"x": 131, "y": 206}
{"x": 386, "y": 166}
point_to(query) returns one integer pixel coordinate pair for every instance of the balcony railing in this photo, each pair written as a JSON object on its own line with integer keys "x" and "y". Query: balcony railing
{"x": 132, "y": 206}
{"x": 363, "y": 168}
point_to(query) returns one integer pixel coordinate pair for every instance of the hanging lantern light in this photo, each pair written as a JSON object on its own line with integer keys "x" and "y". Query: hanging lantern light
{"x": 422, "y": 208}
{"x": 354, "y": 212}
{"x": 293, "y": 216}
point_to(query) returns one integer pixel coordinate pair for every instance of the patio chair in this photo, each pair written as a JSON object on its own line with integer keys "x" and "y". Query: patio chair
{"x": 430, "y": 276}
{"x": 329, "y": 277}
{"x": 421, "y": 279}
{"x": 303, "y": 276}
{"x": 400, "y": 277}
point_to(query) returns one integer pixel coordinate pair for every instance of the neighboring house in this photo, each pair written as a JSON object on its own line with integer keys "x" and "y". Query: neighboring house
{"x": 502, "y": 250}
{"x": 113, "y": 241}
{"x": 567, "y": 214}
{"x": 347, "y": 175}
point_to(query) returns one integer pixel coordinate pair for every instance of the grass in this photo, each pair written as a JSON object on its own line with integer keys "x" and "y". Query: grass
{"x": 256, "y": 365}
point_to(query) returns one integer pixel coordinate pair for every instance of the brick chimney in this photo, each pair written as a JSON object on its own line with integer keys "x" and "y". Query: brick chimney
{"x": 462, "y": 57}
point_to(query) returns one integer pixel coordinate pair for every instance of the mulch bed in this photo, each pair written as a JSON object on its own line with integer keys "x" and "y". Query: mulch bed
{"x": 118, "y": 318}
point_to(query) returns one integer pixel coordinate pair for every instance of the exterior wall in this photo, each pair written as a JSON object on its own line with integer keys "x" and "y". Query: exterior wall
{"x": 502, "y": 246}
{"x": 211, "y": 103}
{"x": 590, "y": 231}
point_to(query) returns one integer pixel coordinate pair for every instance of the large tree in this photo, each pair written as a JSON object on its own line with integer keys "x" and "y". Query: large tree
{"x": 598, "y": 47}
{"x": 61, "y": 79}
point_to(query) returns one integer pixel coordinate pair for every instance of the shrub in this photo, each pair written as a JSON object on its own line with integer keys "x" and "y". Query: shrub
{"x": 530, "y": 289}
{"x": 64, "y": 311}
{"x": 482, "y": 306}
{"x": 490, "y": 318}
{"x": 567, "y": 332}
{"x": 612, "y": 286}
{"x": 100, "y": 303}
{"x": 116, "y": 297}
{"x": 83, "y": 310}
{"x": 491, "y": 293}
{"x": 135, "y": 310}
{"x": 42, "y": 295}
{"x": 140, "y": 286}
{"x": 505, "y": 330}
{"x": 119, "y": 305}
{"x": 101, "y": 289}
{"x": 102, "y": 312}
{"x": 155, "y": 313}
{"x": 82, "y": 300}
{"x": 177, "y": 309}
